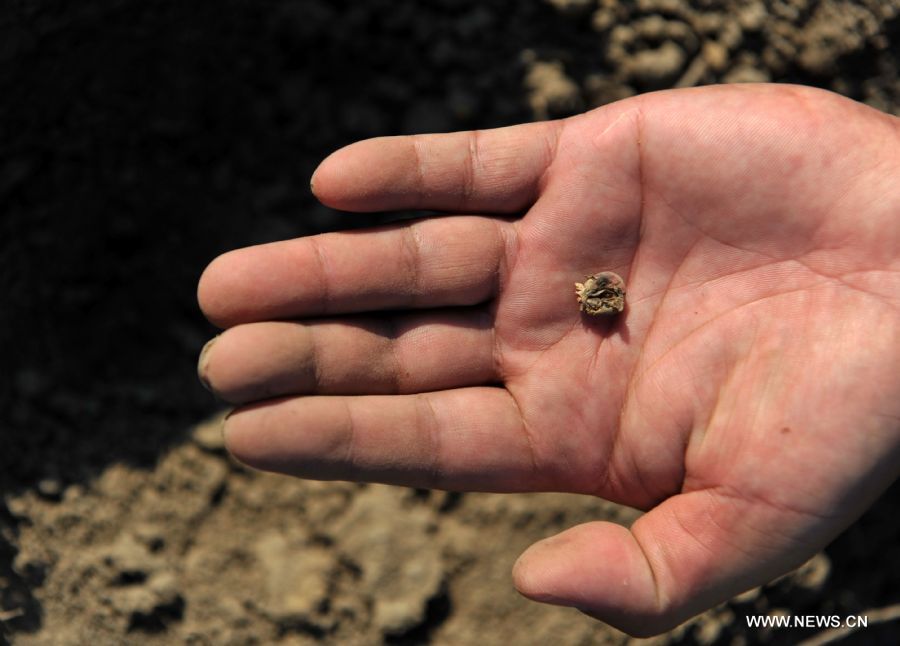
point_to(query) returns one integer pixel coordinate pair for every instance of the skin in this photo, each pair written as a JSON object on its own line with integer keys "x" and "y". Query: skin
{"x": 748, "y": 398}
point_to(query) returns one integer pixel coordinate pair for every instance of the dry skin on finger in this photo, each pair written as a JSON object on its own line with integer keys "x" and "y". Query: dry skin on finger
{"x": 602, "y": 293}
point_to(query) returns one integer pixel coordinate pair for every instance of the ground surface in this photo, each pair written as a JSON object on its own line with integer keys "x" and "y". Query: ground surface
{"x": 140, "y": 139}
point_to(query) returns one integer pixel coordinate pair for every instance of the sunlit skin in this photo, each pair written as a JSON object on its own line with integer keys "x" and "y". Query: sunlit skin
{"x": 748, "y": 398}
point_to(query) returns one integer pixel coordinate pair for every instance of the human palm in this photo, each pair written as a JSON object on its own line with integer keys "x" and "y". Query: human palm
{"x": 747, "y": 396}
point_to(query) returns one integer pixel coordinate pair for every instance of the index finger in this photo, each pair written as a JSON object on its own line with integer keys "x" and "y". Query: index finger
{"x": 485, "y": 171}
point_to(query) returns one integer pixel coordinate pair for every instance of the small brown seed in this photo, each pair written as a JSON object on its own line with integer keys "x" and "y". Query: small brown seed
{"x": 602, "y": 293}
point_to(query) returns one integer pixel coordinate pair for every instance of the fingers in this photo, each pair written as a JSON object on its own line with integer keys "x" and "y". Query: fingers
{"x": 415, "y": 353}
{"x": 430, "y": 263}
{"x": 688, "y": 554}
{"x": 493, "y": 171}
{"x": 462, "y": 439}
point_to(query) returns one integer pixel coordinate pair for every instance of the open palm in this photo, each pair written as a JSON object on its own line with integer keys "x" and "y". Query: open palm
{"x": 748, "y": 396}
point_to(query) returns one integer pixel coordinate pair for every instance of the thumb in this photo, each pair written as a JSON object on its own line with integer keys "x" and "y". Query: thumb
{"x": 598, "y": 568}
{"x": 691, "y": 552}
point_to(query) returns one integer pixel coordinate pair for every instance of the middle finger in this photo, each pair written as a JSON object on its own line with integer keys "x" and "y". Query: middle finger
{"x": 398, "y": 354}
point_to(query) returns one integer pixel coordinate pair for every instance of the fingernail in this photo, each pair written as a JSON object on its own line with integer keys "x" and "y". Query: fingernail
{"x": 224, "y": 427}
{"x": 203, "y": 364}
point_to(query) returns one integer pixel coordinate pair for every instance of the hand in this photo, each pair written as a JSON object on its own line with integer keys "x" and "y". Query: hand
{"x": 748, "y": 397}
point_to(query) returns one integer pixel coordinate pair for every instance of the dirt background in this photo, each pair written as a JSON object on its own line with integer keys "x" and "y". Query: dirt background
{"x": 140, "y": 139}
